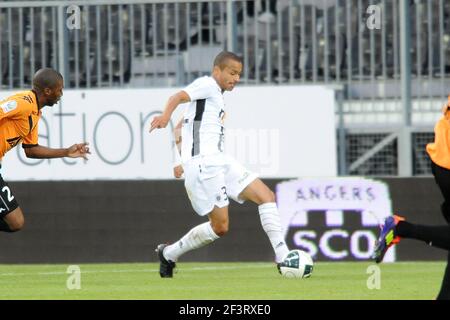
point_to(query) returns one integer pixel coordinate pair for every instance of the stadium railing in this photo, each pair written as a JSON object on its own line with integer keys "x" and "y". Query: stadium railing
{"x": 354, "y": 44}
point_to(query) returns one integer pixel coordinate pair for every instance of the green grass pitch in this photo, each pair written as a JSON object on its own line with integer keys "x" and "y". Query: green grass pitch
{"x": 210, "y": 281}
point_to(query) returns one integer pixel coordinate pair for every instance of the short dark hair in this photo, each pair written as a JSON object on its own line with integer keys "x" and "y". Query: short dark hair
{"x": 46, "y": 78}
{"x": 222, "y": 58}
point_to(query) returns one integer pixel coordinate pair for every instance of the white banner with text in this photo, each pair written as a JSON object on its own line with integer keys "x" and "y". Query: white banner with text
{"x": 335, "y": 218}
{"x": 277, "y": 131}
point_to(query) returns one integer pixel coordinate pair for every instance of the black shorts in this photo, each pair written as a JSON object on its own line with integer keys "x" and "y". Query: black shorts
{"x": 8, "y": 202}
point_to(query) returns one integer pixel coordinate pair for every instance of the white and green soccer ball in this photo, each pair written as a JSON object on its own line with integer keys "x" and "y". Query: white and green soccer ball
{"x": 297, "y": 264}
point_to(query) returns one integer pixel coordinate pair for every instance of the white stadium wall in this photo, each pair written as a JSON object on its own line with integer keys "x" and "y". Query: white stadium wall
{"x": 286, "y": 131}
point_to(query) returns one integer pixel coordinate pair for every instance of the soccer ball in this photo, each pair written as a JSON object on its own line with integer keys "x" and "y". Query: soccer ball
{"x": 297, "y": 264}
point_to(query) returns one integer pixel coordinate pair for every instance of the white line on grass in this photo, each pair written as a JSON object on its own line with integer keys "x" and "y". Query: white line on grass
{"x": 15, "y": 274}
{"x": 187, "y": 269}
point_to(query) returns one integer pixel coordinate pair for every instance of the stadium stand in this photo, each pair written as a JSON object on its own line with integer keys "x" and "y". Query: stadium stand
{"x": 327, "y": 42}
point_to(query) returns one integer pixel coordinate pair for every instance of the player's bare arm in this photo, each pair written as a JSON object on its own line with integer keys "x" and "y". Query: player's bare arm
{"x": 177, "y": 133}
{"x": 174, "y": 101}
{"x": 79, "y": 150}
{"x": 178, "y": 169}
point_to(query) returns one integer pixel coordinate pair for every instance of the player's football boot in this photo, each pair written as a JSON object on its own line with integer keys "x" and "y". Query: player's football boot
{"x": 279, "y": 267}
{"x": 165, "y": 266}
{"x": 388, "y": 237}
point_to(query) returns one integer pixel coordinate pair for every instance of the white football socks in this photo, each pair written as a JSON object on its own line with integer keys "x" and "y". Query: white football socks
{"x": 197, "y": 237}
{"x": 271, "y": 223}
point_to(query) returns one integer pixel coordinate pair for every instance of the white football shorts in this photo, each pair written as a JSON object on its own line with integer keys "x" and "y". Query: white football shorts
{"x": 211, "y": 180}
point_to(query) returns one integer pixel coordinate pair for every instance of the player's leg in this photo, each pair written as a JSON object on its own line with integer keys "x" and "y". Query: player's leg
{"x": 219, "y": 221}
{"x": 13, "y": 221}
{"x": 444, "y": 292}
{"x": 442, "y": 178}
{"x": 395, "y": 228}
{"x": 197, "y": 237}
{"x": 201, "y": 235}
{"x": 436, "y": 236}
{"x": 244, "y": 185}
{"x": 11, "y": 216}
{"x": 259, "y": 193}
{"x": 206, "y": 190}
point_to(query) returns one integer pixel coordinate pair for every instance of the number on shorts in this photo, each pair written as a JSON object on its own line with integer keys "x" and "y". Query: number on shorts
{"x": 225, "y": 193}
{"x": 8, "y": 193}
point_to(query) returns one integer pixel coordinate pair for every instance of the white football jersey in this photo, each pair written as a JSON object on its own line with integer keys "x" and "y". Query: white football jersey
{"x": 203, "y": 129}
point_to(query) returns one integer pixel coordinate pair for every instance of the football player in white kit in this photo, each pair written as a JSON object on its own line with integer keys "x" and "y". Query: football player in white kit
{"x": 212, "y": 177}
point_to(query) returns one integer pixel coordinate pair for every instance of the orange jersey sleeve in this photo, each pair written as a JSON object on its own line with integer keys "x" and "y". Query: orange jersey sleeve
{"x": 19, "y": 116}
{"x": 12, "y": 109}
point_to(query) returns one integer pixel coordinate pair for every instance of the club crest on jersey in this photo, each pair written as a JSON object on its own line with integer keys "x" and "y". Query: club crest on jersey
{"x": 9, "y": 106}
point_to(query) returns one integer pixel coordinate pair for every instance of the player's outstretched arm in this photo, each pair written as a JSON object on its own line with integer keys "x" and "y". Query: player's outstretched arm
{"x": 161, "y": 121}
{"x": 79, "y": 150}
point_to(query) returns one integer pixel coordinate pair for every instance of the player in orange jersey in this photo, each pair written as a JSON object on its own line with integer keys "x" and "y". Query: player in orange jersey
{"x": 395, "y": 227}
{"x": 19, "y": 117}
